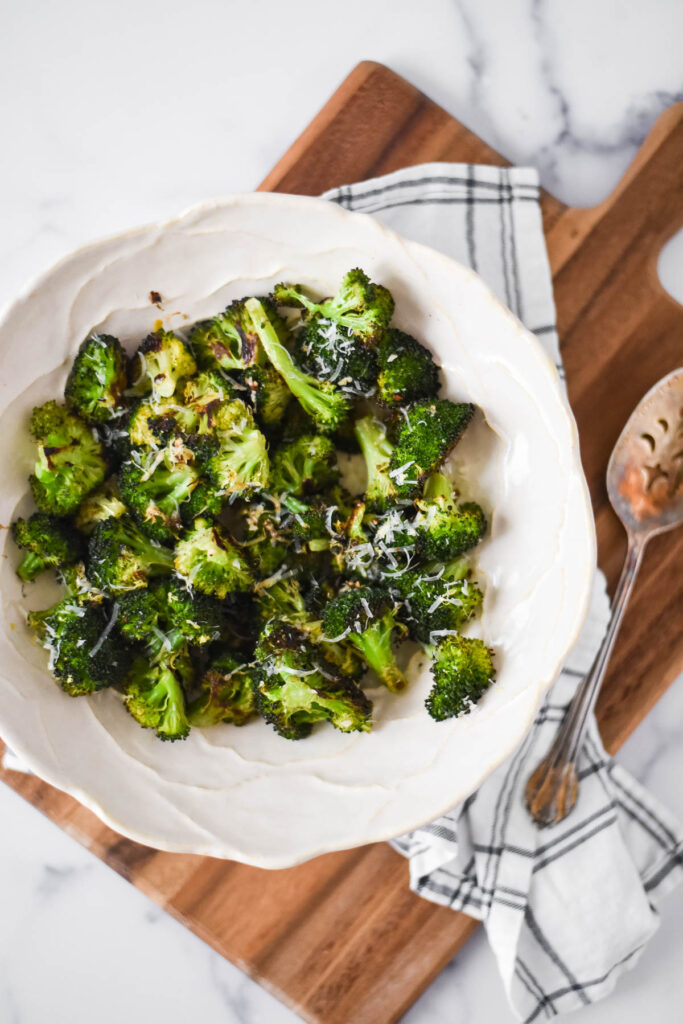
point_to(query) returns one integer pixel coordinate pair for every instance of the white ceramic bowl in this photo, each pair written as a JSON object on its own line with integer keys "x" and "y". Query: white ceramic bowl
{"x": 247, "y": 794}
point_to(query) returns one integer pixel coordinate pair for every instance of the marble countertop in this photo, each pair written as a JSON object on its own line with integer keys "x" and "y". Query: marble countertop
{"x": 115, "y": 115}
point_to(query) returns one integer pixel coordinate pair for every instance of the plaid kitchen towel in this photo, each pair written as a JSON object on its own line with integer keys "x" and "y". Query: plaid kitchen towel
{"x": 566, "y": 908}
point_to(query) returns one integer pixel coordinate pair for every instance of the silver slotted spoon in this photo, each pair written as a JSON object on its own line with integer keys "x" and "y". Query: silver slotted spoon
{"x": 645, "y": 487}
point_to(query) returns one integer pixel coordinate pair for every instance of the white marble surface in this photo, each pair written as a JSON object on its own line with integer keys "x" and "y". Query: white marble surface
{"x": 116, "y": 114}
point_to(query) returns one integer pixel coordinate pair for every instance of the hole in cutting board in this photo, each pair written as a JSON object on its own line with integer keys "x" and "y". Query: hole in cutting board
{"x": 670, "y": 266}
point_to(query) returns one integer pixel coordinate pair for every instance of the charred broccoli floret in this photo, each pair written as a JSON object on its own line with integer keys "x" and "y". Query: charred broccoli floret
{"x": 463, "y": 670}
{"x": 304, "y": 466}
{"x": 159, "y": 364}
{"x": 154, "y": 694}
{"x": 445, "y": 529}
{"x": 104, "y": 503}
{"x": 151, "y": 423}
{"x": 293, "y": 690}
{"x": 358, "y": 304}
{"x": 241, "y": 465}
{"x": 430, "y": 431}
{"x": 228, "y": 340}
{"x": 154, "y": 495}
{"x": 367, "y": 616}
{"x": 269, "y": 538}
{"x": 48, "y": 543}
{"x": 325, "y": 403}
{"x": 70, "y": 463}
{"x": 167, "y": 614}
{"x": 203, "y": 396}
{"x": 97, "y": 379}
{"x": 226, "y": 694}
{"x": 270, "y": 396}
{"x": 331, "y": 352}
{"x": 377, "y": 452}
{"x": 84, "y": 655}
{"x": 407, "y": 371}
{"x": 434, "y": 604}
{"x": 211, "y": 563}
{"x": 120, "y": 557}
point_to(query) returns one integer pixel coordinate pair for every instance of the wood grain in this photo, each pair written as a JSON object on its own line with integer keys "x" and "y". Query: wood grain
{"x": 342, "y": 939}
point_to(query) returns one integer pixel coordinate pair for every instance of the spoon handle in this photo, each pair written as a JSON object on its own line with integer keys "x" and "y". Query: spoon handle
{"x": 553, "y": 787}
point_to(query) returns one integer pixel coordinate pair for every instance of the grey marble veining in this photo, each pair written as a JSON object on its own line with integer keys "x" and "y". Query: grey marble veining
{"x": 114, "y": 116}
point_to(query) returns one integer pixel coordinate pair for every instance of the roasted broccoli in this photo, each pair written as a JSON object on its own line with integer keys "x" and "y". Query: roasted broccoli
{"x": 270, "y": 396}
{"x": 85, "y": 656}
{"x": 203, "y": 397}
{"x": 377, "y": 450}
{"x": 97, "y": 379}
{"x": 241, "y": 465}
{"x": 407, "y": 371}
{"x": 443, "y": 528}
{"x": 120, "y": 557}
{"x": 463, "y": 670}
{"x": 167, "y": 614}
{"x": 160, "y": 362}
{"x": 358, "y": 304}
{"x": 430, "y": 431}
{"x": 226, "y": 694}
{"x": 331, "y": 352}
{"x": 228, "y": 340}
{"x": 154, "y": 495}
{"x": 322, "y": 400}
{"x": 304, "y": 466}
{"x": 155, "y": 695}
{"x": 269, "y": 537}
{"x": 293, "y": 690}
{"x": 70, "y": 462}
{"x": 104, "y": 503}
{"x": 367, "y": 616}
{"x": 49, "y": 543}
{"x": 210, "y": 562}
{"x": 434, "y": 604}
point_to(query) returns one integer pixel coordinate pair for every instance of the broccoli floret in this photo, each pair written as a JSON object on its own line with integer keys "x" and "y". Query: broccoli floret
{"x": 331, "y": 352}
{"x": 407, "y": 371}
{"x": 104, "y": 503}
{"x": 377, "y": 452}
{"x": 341, "y": 654}
{"x": 211, "y": 562}
{"x": 434, "y": 604}
{"x": 241, "y": 465}
{"x": 84, "y": 655}
{"x": 154, "y": 496}
{"x": 120, "y": 557}
{"x": 159, "y": 364}
{"x": 318, "y": 523}
{"x": 270, "y": 395}
{"x": 282, "y": 599}
{"x": 49, "y": 543}
{"x": 445, "y": 529}
{"x": 293, "y": 690}
{"x": 153, "y": 422}
{"x": 268, "y": 536}
{"x": 70, "y": 463}
{"x": 367, "y": 616}
{"x": 155, "y": 696}
{"x": 358, "y": 304}
{"x": 325, "y": 403}
{"x": 167, "y": 614}
{"x": 97, "y": 380}
{"x": 228, "y": 340}
{"x": 431, "y": 430}
{"x": 226, "y": 694}
{"x": 304, "y": 466}
{"x": 203, "y": 396}
{"x": 463, "y": 671}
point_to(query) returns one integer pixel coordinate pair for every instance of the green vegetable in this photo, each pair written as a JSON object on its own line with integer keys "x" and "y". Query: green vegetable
{"x": 97, "y": 379}
{"x": 49, "y": 543}
{"x": 120, "y": 557}
{"x": 210, "y": 562}
{"x": 407, "y": 371}
{"x": 431, "y": 430}
{"x": 444, "y": 529}
{"x": 155, "y": 695}
{"x": 304, "y": 466}
{"x": 226, "y": 694}
{"x": 365, "y": 308}
{"x": 160, "y": 362}
{"x": 70, "y": 461}
{"x": 367, "y": 616}
{"x": 463, "y": 671}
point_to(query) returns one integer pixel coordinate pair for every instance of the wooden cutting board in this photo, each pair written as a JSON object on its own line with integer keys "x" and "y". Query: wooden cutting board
{"x": 341, "y": 939}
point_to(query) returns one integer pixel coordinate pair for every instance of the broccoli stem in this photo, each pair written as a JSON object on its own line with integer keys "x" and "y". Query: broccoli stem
{"x": 377, "y": 451}
{"x": 374, "y": 644}
{"x": 30, "y": 566}
{"x": 304, "y": 388}
{"x": 437, "y": 486}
